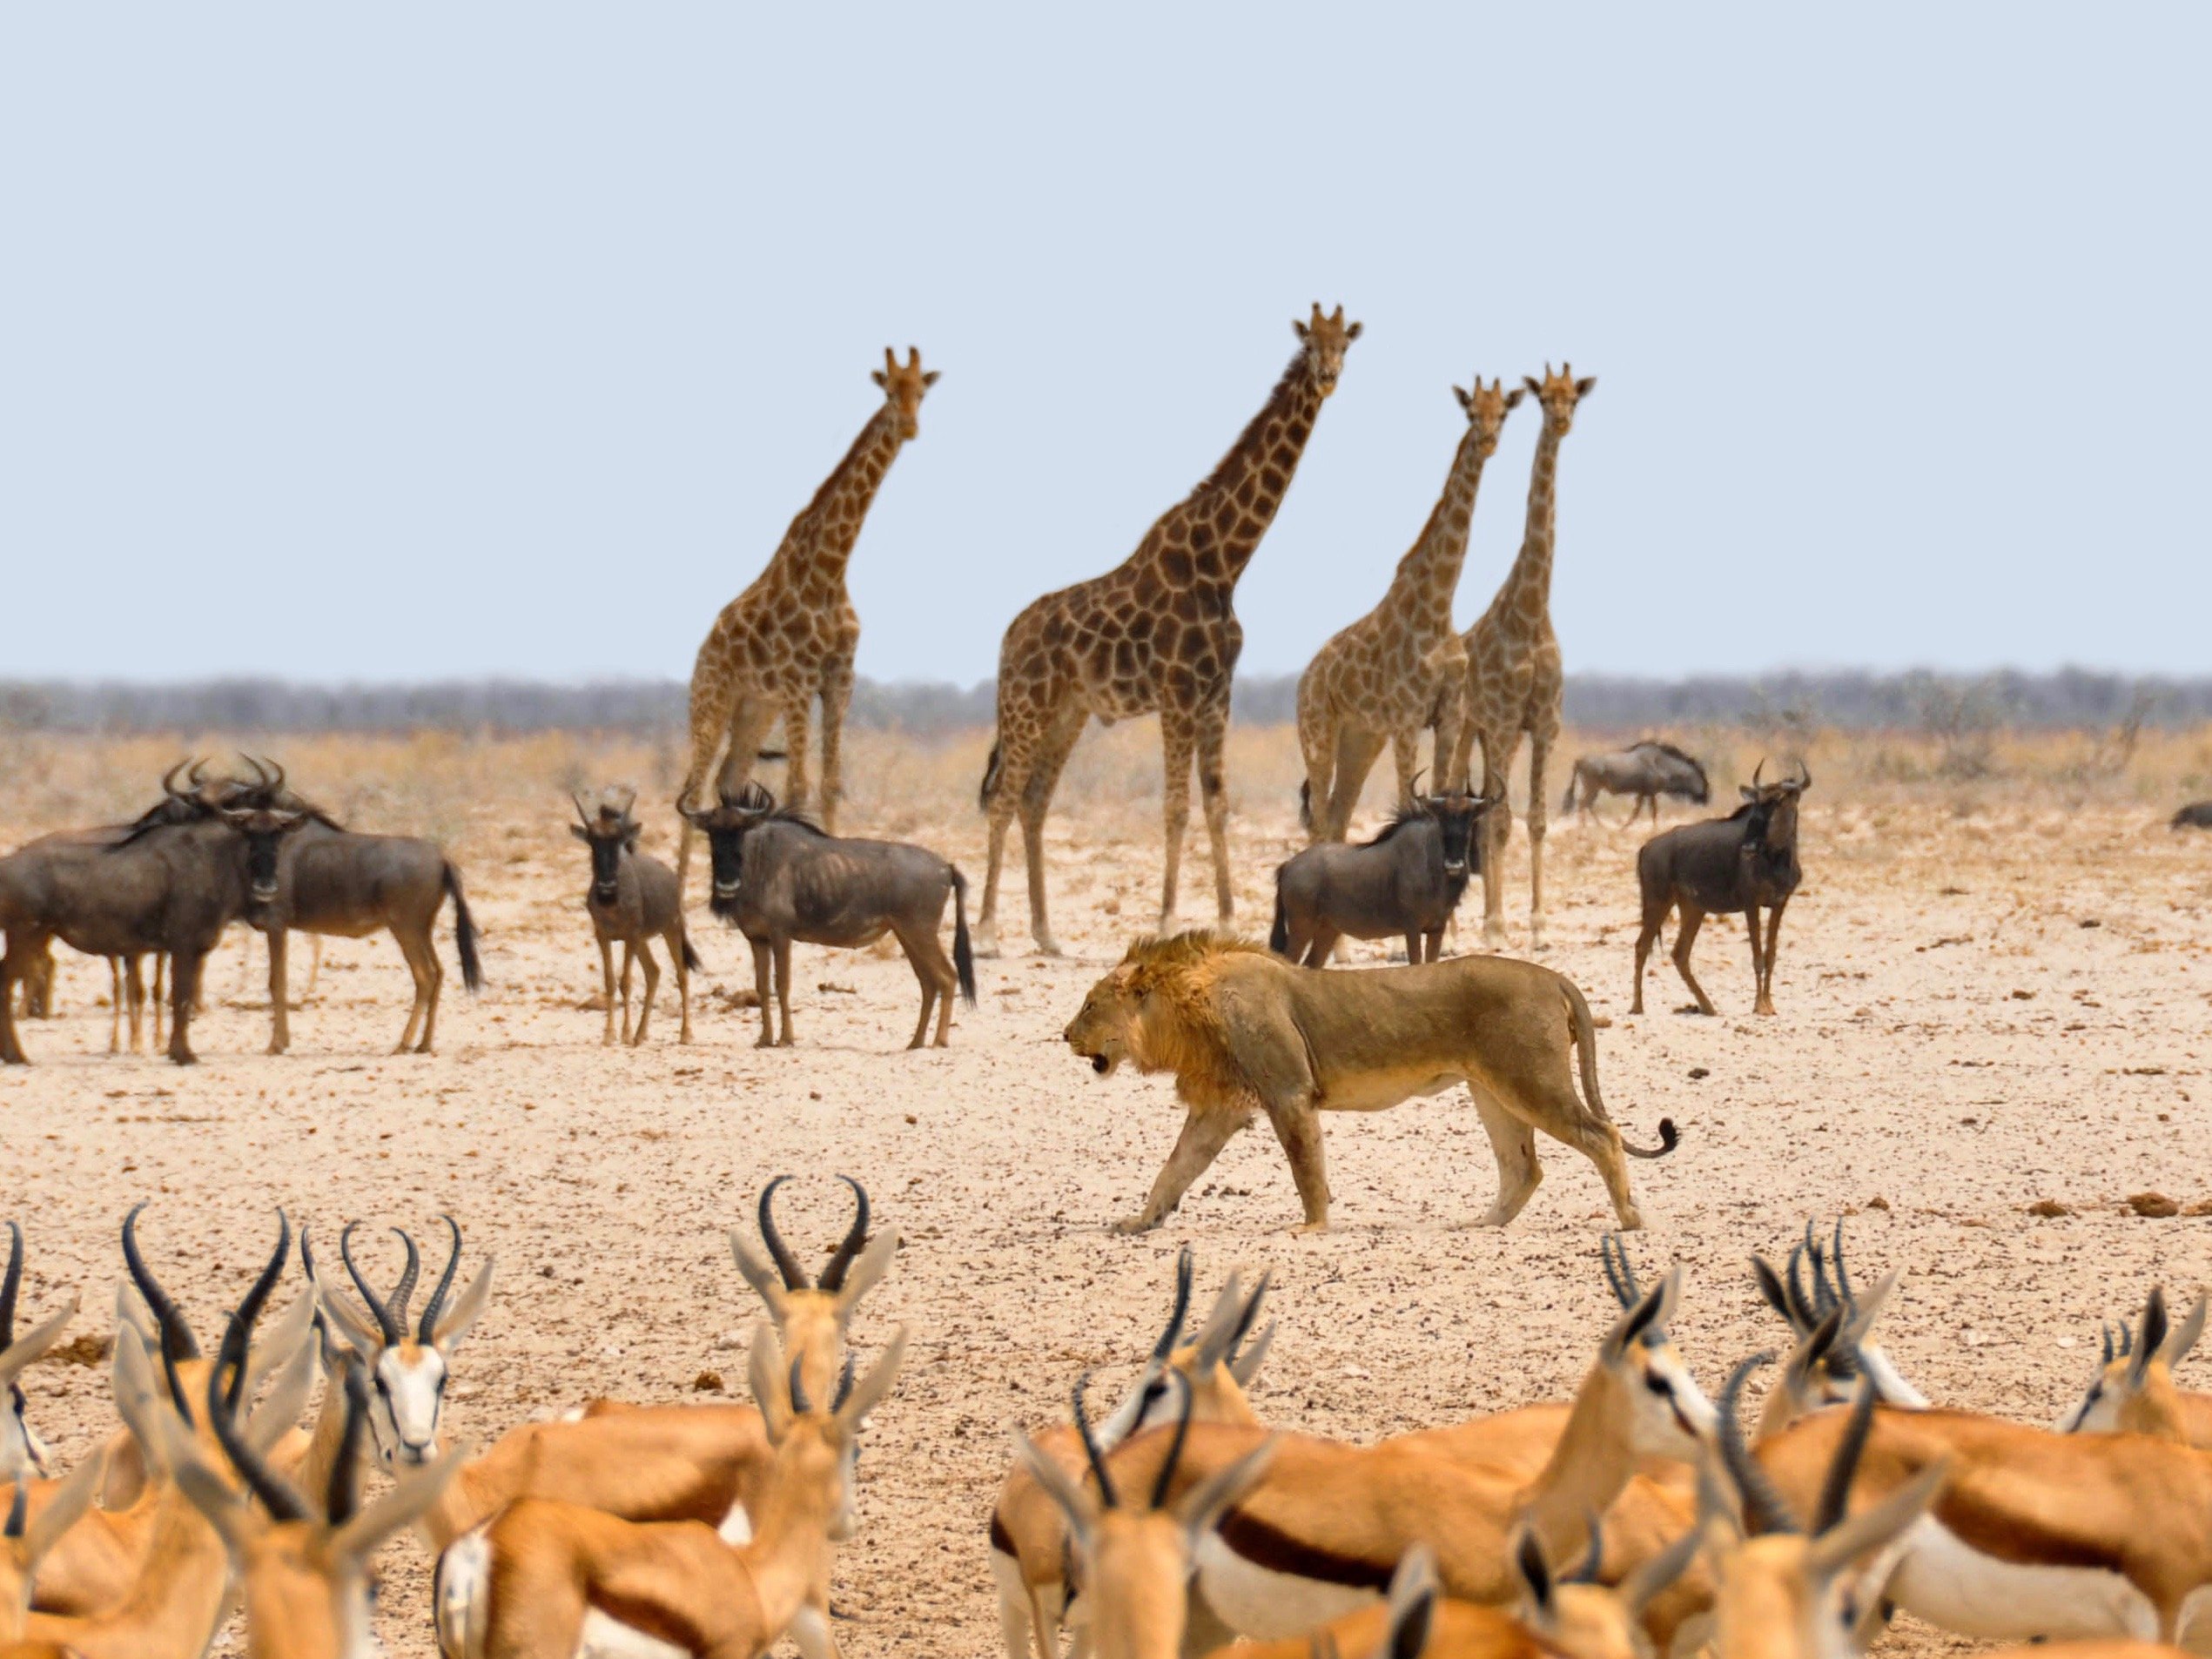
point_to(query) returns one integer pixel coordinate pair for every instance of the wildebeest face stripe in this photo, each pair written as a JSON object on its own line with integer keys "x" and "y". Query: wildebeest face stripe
{"x": 1277, "y": 1552}
{"x": 650, "y": 1618}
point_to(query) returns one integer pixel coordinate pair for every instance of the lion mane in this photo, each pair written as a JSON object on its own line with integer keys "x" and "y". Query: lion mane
{"x": 1174, "y": 1023}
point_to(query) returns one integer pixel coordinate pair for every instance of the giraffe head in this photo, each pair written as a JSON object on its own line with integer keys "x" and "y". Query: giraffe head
{"x": 1559, "y": 394}
{"x": 903, "y": 386}
{"x": 1486, "y": 409}
{"x": 1325, "y": 339}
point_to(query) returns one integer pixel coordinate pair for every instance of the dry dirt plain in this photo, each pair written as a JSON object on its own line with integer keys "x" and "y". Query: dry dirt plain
{"x": 1993, "y": 991}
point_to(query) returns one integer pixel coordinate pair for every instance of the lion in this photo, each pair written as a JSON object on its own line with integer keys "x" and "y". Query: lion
{"x": 1242, "y": 1029}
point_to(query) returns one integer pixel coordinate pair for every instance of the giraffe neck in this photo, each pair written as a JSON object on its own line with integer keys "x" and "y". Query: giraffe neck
{"x": 1238, "y": 500}
{"x": 1428, "y": 575}
{"x": 1528, "y": 586}
{"x": 819, "y": 543}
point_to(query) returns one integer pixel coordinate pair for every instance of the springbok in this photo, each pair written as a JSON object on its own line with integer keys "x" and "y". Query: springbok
{"x": 22, "y": 1451}
{"x": 408, "y": 1367}
{"x": 632, "y": 901}
{"x": 1028, "y": 1532}
{"x": 1135, "y": 1559}
{"x": 544, "y": 1577}
{"x": 1854, "y": 1347}
{"x": 2134, "y": 1392}
{"x": 1743, "y": 862}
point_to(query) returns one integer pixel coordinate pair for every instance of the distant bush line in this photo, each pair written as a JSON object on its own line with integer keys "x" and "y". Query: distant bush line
{"x": 2071, "y": 699}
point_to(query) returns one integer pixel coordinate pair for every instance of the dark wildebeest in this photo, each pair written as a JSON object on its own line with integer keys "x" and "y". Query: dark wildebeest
{"x": 345, "y": 885}
{"x": 1405, "y": 881}
{"x": 2196, "y": 816}
{"x": 779, "y": 876}
{"x": 165, "y": 887}
{"x": 632, "y": 900}
{"x": 1646, "y": 770}
{"x": 1739, "y": 862}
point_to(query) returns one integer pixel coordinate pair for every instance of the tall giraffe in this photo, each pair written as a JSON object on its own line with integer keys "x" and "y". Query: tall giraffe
{"x": 789, "y": 638}
{"x": 1402, "y": 666}
{"x": 1513, "y": 675}
{"x": 1158, "y": 633}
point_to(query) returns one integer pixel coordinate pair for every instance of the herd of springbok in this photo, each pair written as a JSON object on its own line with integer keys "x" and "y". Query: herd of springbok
{"x": 1635, "y": 1518}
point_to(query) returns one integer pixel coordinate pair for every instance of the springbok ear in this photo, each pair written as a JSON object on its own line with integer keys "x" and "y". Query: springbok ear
{"x": 67, "y": 1506}
{"x": 466, "y": 1311}
{"x": 1513, "y": 397}
{"x": 771, "y": 1387}
{"x": 282, "y": 1342}
{"x": 34, "y": 1343}
{"x": 763, "y": 1278}
{"x": 2185, "y": 1334}
{"x": 1246, "y": 1364}
{"x": 869, "y": 1392}
{"x": 867, "y": 1270}
{"x": 1412, "y": 1604}
{"x": 354, "y": 1326}
{"x": 404, "y": 1505}
{"x": 1081, "y": 1508}
{"x": 278, "y": 1412}
{"x": 1203, "y": 1507}
{"x": 1644, "y": 1316}
{"x": 2153, "y": 1338}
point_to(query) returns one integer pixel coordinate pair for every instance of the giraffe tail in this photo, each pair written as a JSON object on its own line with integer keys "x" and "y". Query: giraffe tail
{"x": 991, "y": 769}
{"x": 1306, "y": 804}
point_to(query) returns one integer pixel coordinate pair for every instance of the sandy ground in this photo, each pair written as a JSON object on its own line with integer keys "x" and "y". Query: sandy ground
{"x": 1981, "y": 1007}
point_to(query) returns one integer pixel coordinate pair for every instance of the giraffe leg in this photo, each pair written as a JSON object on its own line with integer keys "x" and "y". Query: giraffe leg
{"x": 1317, "y": 743}
{"x": 836, "y": 698}
{"x": 1036, "y": 801}
{"x": 1539, "y": 754}
{"x": 1405, "y": 759}
{"x": 1177, "y": 740}
{"x": 713, "y": 703}
{"x": 798, "y": 782}
{"x": 1498, "y": 759}
{"x": 1213, "y": 800}
{"x": 1448, "y": 755}
{"x": 1004, "y": 787}
{"x": 1357, "y": 753}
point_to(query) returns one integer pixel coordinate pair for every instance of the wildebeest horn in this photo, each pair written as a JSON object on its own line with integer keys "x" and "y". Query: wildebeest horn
{"x": 779, "y": 1252}
{"x": 169, "y": 777}
{"x": 1091, "y": 1442}
{"x": 198, "y": 776}
{"x": 628, "y": 800}
{"x": 259, "y": 771}
{"x": 427, "y": 1331}
{"x": 1756, "y": 770}
{"x": 277, "y": 774}
{"x": 386, "y": 1325}
{"x": 833, "y": 1276}
{"x": 1764, "y": 1508}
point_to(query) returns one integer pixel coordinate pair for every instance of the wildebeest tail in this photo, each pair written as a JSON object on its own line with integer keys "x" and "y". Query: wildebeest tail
{"x": 1586, "y": 1054}
{"x": 472, "y": 971}
{"x": 1567, "y": 801}
{"x": 1279, "y": 935}
{"x": 691, "y": 956}
{"x": 1306, "y": 804}
{"x": 991, "y": 769}
{"x": 964, "y": 953}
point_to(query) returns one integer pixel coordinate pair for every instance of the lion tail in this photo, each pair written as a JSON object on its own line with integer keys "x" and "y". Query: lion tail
{"x": 1586, "y": 1054}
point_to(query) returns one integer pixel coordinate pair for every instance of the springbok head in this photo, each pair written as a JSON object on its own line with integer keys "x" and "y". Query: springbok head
{"x": 1218, "y": 1363}
{"x": 22, "y": 1451}
{"x": 1788, "y": 1590}
{"x": 813, "y": 1315}
{"x": 816, "y": 1435}
{"x": 2133, "y": 1391}
{"x": 407, "y": 1367}
{"x": 1852, "y": 1349}
{"x": 1667, "y": 1414}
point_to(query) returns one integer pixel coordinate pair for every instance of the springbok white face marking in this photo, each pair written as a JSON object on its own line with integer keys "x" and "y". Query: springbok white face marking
{"x": 1672, "y": 1417}
{"x": 410, "y": 1395}
{"x": 22, "y": 1453}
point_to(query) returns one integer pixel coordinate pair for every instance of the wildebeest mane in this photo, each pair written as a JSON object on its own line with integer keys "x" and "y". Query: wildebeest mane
{"x": 1414, "y": 813}
{"x": 1665, "y": 748}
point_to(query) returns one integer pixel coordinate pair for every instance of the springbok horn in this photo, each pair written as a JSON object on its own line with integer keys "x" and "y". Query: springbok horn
{"x": 787, "y": 1264}
{"x": 1174, "y": 1446}
{"x": 257, "y": 1298}
{"x": 9, "y": 1286}
{"x": 403, "y": 1292}
{"x": 427, "y": 1333}
{"x": 800, "y": 1404}
{"x": 1835, "y": 1490}
{"x": 1091, "y": 1442}
{"x": 17, "y": 1510}
{"x": 845, "y": 1386}
{"x": 276, "y": 1495}
{"x": 1620, "y": 1274}
{"x": 177, "y": 1339}
{"x": 1764, "y": 1508}
{"x": 1808, "y": 1310}
{"x": 1184, "y": 1265}
{"x": 388, "y": 1327}
{"x": 1593, "y": 1557}
{"x": 833, "y": 1276}
{"x": 343, "y": 1493}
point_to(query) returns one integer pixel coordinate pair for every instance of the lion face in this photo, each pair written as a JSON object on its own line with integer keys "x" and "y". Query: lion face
{"x": 1104, "y": 1030}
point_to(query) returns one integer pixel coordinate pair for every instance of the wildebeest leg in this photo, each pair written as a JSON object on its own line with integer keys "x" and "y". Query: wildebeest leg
{"x": 939, "y": 979}
{"x": 1322, "y": 942}
{"x": 652, "y": 985}
{"x": 1436, "y": 951}
{"x": 184, "y": 991}
{"x": 119, "y": 990}
{"x": 1213, "y": 801}
{"x": 1653, "y": 921}
{"x": 1357, "y": 753}
{"x": 764, "y": 991}
{"x": 422, "y": 962}
{"x": 1514, "y": 1143}
{"x": 607, "y": 978}
{"x": 1765, "y": 1004}
{"x": 1685, "y": 936}
{"x": 437, "y": 984}
{"x": 160, "y": 997}
{"x": 279, "y": 1025}
{"x": 782, "y": 947}
{"x": 674, "y": 939}
{"x": 12, "y": 968}
{"x": 629, "y": 959}
{"x": 314, "y": 969}
{"x": 1177, "y": 740}
{"x": 1758, "y": 955}
{"x": 1205, "y": 1132}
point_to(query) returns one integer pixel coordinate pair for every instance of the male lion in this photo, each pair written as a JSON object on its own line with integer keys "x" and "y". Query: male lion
{"x": 1241, "y": 1028}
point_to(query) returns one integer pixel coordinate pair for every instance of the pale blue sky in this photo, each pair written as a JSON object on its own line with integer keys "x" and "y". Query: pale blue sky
{"x": 416, "y": 341}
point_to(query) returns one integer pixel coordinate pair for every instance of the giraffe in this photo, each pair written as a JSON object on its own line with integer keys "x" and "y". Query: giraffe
{"x": 1402, "y": 666}
{"x": 1158, "y": 633}
{"x": 789, "y": 638}
{"x": 1513, "y": 675}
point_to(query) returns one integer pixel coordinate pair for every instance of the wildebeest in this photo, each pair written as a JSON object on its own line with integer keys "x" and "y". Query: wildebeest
{"x": 1646, "y": 770}
{"x": 2197, "y": 814}
{"x": 169, "y": 887}
{"x": 1407, "y": 881}
{"x": 332, "y": 880}
{"x": 632, "y": 899}
{"x": 778, "y": 877}
{"x": 1740, "y": 862}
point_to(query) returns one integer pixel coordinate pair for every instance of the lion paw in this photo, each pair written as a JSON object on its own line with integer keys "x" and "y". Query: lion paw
{"x": 1133, "y": 1224}
{"x": 1305, "y": 1228}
